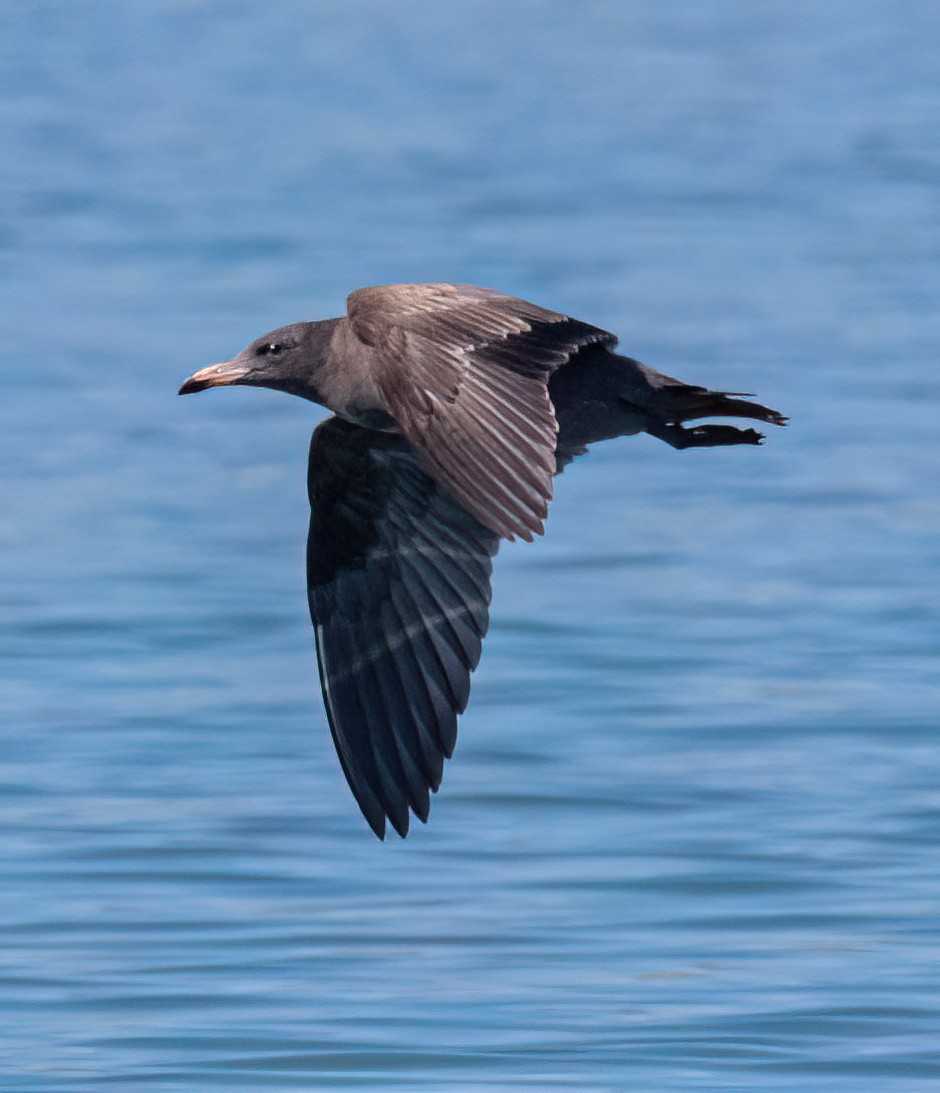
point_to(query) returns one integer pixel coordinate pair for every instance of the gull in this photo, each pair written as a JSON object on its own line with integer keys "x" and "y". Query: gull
{"x": 455, "y": 407}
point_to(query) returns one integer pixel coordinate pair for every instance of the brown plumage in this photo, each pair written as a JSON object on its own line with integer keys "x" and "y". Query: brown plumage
{"x": 472, "y": 401}
{"x": 463, "y": 373}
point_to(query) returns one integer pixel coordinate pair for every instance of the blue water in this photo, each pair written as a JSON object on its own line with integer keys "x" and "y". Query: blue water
{"x": 689, "y": 840}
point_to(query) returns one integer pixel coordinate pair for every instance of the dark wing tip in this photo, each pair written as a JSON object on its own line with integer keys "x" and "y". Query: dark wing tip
{"x": 398, "y": 582}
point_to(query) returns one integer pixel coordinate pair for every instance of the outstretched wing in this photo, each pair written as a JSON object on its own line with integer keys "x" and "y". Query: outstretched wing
{"x": 398, "y": 578}
{"x": 464, "y": 372}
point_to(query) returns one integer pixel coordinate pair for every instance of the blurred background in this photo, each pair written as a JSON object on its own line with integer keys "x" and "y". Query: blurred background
{"x": 689, "y": 839}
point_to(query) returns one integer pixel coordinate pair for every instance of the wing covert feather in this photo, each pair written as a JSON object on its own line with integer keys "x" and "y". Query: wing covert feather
{"x": 464, "y": 371}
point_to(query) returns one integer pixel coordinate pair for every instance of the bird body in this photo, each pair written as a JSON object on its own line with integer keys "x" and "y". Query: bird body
{"x": 471, "y": 401}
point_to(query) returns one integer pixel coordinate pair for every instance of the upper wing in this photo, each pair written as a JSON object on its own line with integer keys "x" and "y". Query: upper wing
{"x": 398, "y": 578}
{"x": 464, "y": 371}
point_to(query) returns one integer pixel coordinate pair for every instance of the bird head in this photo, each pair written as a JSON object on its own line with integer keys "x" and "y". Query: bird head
{"x": 286, "y": 359}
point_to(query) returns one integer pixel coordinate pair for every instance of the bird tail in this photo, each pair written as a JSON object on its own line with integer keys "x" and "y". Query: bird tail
{"x": 668, "y": 403}
{"x": 693, "y": 403}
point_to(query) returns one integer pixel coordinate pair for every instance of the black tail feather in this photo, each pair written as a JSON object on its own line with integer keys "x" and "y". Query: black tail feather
{"x": 669, "y": 402}
{"x": 699, "y": 403}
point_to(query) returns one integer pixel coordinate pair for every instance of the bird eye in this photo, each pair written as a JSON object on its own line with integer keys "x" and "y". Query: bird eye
{"x": 270, "y": 348}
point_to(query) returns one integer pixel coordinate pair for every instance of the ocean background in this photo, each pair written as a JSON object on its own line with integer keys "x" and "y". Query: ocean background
{"x": 689, "y": 838}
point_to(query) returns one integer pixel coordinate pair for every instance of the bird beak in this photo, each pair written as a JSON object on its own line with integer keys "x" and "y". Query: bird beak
{"x": 216, "y": 375}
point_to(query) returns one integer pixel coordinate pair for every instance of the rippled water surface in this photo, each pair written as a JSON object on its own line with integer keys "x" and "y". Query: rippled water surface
{"x": 689, "y": 839}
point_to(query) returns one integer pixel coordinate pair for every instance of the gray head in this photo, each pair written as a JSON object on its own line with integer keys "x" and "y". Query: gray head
{"x": 287, "y": 359}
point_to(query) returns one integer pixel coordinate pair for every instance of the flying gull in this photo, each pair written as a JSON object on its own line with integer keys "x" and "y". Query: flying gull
{"x": 455, "y": 407}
